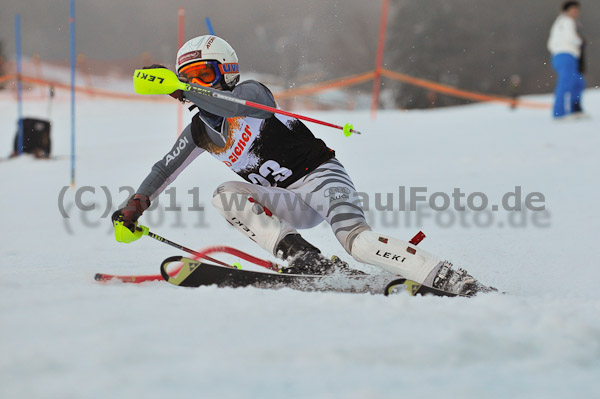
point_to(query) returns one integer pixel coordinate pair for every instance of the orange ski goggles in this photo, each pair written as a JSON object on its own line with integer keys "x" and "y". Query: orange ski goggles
{"x": 203, "y": 73}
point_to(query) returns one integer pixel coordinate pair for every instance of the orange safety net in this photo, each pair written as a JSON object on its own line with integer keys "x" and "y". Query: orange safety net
{"x": 309, "y": 90}
{"x": 85, "y": 90}
{"x": 455, "y": 92}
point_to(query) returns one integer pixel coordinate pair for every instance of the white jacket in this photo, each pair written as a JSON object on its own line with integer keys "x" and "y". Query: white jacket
{"x": 564, "y": 38}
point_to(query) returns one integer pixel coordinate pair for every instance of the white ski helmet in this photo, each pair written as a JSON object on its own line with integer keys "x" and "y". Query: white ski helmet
{"x": 213, "y": 52}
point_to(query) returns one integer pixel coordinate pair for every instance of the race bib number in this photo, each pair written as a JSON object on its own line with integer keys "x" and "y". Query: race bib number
{"x": 271, "y": 173}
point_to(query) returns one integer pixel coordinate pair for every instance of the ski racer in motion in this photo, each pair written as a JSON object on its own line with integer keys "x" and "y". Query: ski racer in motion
{"x": 293, "y": 180}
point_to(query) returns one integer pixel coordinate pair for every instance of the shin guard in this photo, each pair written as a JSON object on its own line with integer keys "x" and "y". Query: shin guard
{"x": 251, "y": 218}
{"x": 394, "y": 255}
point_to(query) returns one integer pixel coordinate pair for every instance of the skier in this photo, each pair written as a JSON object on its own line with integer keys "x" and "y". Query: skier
{"x": 293, "y": 179}
{"x": 565, "y": 44}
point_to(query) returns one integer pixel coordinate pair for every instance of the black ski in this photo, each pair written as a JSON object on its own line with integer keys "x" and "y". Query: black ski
{"x": 195, "y": 273}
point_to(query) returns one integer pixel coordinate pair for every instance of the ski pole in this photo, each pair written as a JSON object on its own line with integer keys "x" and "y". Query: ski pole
{"x": 178, "y": 246}
{"x": 164, "y": 81}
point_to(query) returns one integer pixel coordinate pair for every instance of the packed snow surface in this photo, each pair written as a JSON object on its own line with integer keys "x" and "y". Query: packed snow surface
{"x": 63, "y": 335}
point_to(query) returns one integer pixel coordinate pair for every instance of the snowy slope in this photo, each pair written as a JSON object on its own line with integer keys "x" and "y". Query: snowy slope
{"x": 64, "y": 335}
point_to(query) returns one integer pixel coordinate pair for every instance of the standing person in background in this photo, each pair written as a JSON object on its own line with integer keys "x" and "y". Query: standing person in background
{"x": 565, "y": 45}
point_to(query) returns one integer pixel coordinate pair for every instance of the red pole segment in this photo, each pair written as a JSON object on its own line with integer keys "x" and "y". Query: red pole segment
{"x": 181, "y": 25}
{"x": 203, "y": 254}
{"x": 379, "y": 58}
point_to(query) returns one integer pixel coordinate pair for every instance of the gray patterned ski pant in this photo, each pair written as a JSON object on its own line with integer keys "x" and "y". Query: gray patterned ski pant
{"x": 325, "y": 194}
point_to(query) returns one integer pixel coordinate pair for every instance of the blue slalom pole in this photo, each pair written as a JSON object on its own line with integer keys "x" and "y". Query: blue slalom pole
{"x": 209, "y": 26}
{"x": 19, "y": 85}
{"x": 73, "y": 59}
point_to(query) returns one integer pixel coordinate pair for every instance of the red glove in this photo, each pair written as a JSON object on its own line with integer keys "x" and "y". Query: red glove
{"x": 132, "y": 211}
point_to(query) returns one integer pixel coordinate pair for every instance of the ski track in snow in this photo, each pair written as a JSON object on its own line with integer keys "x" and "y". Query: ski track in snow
{"x": 63, "y": 335}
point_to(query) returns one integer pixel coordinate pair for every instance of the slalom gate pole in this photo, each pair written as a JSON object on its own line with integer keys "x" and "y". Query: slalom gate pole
{"x": 73, "y": 60}
{"x": 181, "y": 247}
{"x": 203, "y": 254}
{"x": 379, "y": 59}
{"x": 19, "y": 85}
{"x": 209, "y": 26}
{"x": 219, "y": 248}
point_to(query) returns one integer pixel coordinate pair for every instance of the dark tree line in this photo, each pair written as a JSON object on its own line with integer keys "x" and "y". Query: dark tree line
{"x": 484, "y": 45}
{"x": 472, "y": 44}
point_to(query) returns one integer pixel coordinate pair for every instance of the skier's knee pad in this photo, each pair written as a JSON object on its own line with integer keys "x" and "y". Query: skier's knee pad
{"x": 251, "y": 218}
{"x": 240, "y": 187}
{"x": 393, "y": 255}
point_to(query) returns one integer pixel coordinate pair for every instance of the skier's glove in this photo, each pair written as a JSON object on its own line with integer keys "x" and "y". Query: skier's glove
{"x": 125, "y": 219}
{"x": 177, "y": 94}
